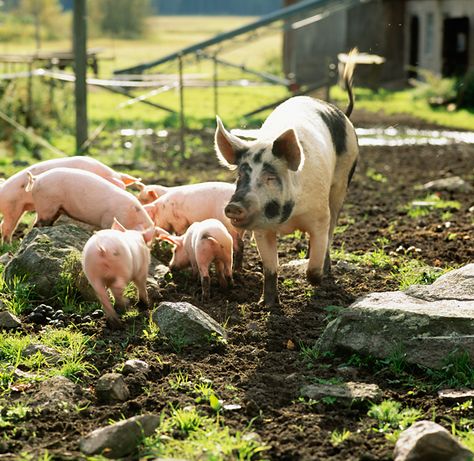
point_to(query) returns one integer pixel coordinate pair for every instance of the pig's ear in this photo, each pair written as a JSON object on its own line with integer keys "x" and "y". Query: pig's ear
{"x": 139, "y": 186}
{"x": 148, "y": 235}
{"x": 2, "y": 181}
{"x": 129, "y": 180}
{"x": 152, "y": 195}
{"x": 288, "y": 148}
{"x": 150, "y": 209}
{"x": 117, "y": 226}
{"x": 170, "y": 239}
{"x": 227, "y": 146}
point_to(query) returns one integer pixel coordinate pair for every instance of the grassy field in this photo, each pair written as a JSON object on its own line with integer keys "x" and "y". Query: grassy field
{"x": 165, "y": 35}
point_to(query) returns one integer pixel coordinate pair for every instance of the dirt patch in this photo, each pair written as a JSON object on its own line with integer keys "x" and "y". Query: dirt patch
{"x": 262, "y": 367}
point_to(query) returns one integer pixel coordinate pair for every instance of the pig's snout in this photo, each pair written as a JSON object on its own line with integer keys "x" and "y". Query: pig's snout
{"x": 235, "y": 211}
{"x": 237, "y": 214}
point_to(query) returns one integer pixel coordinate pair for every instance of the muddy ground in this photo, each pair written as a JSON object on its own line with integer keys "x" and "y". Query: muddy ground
{"x": 262, "y": 367}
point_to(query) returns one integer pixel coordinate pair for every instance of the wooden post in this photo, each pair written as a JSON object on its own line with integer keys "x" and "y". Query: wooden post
{"x": 181, "y": 105}
{"x": 80, "y": 68}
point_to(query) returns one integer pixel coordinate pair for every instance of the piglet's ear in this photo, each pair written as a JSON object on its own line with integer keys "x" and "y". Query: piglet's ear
{"x": 117, "y": 226}
{"x": 169, "y": 239}
{"x": 152, "y": 195}
{"x": 288, "y": 148}
{"x": 227, "y": 145}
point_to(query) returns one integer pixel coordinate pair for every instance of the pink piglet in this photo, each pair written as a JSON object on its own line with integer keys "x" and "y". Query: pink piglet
{"x": 203, "y": 243}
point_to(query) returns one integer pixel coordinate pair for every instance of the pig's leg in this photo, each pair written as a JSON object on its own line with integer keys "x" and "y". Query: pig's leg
{"x": 221, "y": 274}
{"x": 238, "y": 245}
{"x": 110, "y": 314}
{"x": 117, "y": 288}
{"x": 143, "y": 301}
{"x": 228, "y": 273}
{"x": 46, "y": 217}
{"x": 336, "y": 199}
{"x": 267, "y": 248}
{"x": 318, "y": 239}
{"x": 11, "y": 217}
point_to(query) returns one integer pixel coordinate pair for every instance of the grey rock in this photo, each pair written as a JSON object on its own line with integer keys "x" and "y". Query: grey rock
{"x": 41, "y": 256}
{"x": 119, "y": 439}
{"x": 426, "y": 440}
{"x": 425, "y": 323}
{"x": 56, "y": 392}
{"x": 111, "y": 387}
{"x": 9, "y": 321}
{"x": 160, "y": 271}
{"x": 456, "y": 395}
{"x": 451, "y": 184}
{"x": 295, "y": 267}
{"x": 454, "y": 285}
{"x": 5, "y": 258}
{"x": 185, "y": 324}
{"x": 345, "y": 393}
{"x": 135, "y": 366}
{"x": 346, "y": 266}
{"x": 50, "y": 354}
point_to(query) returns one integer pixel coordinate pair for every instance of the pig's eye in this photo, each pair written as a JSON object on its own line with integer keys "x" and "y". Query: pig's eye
{"x": 270, "y": 179}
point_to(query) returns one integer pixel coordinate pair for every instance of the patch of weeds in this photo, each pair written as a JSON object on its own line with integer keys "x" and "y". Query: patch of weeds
{"x": 152, "y": 330}
{"x": 374, "y": 175}
{"x": 308, "y": 402}
{"x": 434, "y": 202}
{"x": 180, "y": 381}
{"x": 332, "y": 312}
{"x": 9, "y": 247}
{"x": 396, "y": 361}
{"x": 187, "y": 434}
{"x": 392, "y": 418}
{"x": 338, "y": 437}
{"x": 329, "y": 400}
{"x": 457, "y": 371}
{"x": 309, "y": 354}
{"x": 378, "y": 257}
{"x": 17, "y": 294}
{"x": 414, "y": 272}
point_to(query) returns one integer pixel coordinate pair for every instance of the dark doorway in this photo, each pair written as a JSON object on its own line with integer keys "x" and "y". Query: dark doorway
{"x": 455, "y": 46}
{"x": 414, "y": 41}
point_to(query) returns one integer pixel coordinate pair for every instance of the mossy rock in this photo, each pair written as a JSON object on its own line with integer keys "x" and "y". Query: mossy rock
{"x": 49, "y": 259}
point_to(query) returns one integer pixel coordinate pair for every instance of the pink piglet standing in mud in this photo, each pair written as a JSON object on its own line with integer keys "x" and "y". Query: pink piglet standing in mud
{"x": 16, "y": 200}
{"x": 85, "y": 197}
{"x": 180, "y": 206}
{"x": 203, "y": 243}
{"x": 114, "y": 257}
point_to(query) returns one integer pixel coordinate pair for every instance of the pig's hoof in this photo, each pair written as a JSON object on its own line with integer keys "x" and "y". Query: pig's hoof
{"x": 269, "y": 302}
{"x": 143, "y": 305}
{"x": 230, "y": 282}
{"x": 314, "y": 276}
{"x": 114, "y": 323}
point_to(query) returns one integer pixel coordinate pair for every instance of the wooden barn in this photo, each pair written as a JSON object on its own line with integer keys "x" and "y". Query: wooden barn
{"x": 437, "y": 35}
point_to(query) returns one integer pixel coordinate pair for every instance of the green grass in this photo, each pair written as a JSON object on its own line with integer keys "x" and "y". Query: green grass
{"x": 338, "y": 437}
{"x": 72, "y": 347}
{"x": 17, "y": 294}
{"x": 431, "y": 203}
{"x": 391, "y": 418}
{"x": 188, "y": 434}
{"x": 406, "y": 102}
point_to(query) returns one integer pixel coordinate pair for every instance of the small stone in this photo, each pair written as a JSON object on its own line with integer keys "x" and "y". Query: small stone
{"x": 452, "y": 184}
{"x": 346, "y": 266}
{"x": 112, "y": 387}
{"x": 185, "y": 324}
{"x": 50, "y": 354}
{"x": 5, "y": 258}
{"x": 56, "y": 392}
{"x": 119, "y": 439}
{"x": 135, "y": 366}
{"x": 430, "y": 441}
{"x": 9, "y": 321}
{"x": 345, "y": 393}
{"x": 456, "y": 395}
{"x": 161, "y": 271}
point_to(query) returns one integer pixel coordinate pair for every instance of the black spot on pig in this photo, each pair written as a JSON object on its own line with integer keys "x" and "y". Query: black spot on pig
{"x": 257, "y": 158}
{"x": 335, "y": 120}
{"x": 286, "y": 211}
{"x": 241, "y": 155}
{"x": 351, "y": 173}
{"x": 243, "y": 183}
{"x": 272, "y": 209}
